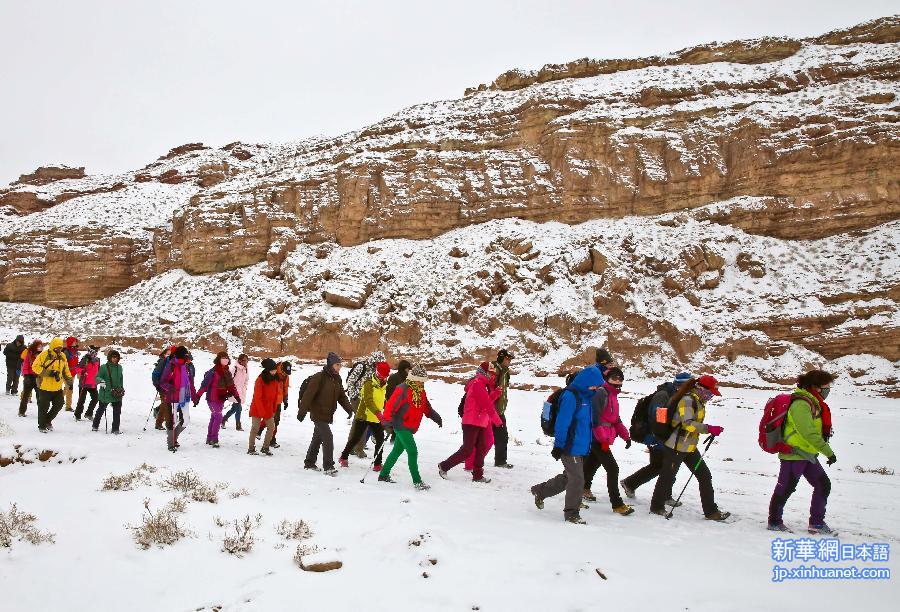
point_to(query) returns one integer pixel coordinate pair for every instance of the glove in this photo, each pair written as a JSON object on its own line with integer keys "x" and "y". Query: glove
{"x": 832, "y": 460}
{"x": 556, "y": 453}
{"x": 101, "y": 384}
{"x": 627, "y": 444}
{"x": 439, "y": 420}
{"x": 714, "y": 430}
{"x": 285, "y": 405}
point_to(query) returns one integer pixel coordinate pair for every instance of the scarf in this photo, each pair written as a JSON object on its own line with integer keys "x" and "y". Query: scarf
{"x": 225, "y": 379}
{"x": 826, "y": 414}
{"x": 415, "y": 390}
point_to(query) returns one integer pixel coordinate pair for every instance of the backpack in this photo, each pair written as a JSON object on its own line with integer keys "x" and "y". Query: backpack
{"x": 300, "y": 414}
{"x": 771, "y": 425}
{"x": 551, "y": 410}
{"x": 158, "y": 370}
{"x": 462, "y": 405}
{"x": 355, "y": 380}
{"x": 640, "y": 420}
{"x": 662, "y": 426}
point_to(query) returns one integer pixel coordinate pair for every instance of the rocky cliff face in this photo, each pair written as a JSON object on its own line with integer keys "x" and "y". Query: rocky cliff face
{"x": 792, "y": 141}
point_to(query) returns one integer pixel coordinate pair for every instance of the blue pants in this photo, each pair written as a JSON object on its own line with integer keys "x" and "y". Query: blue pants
{"x": 236, "y": 411}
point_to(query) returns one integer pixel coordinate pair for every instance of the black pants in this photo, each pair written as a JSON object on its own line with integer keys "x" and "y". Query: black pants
{"x": 501, "y": 440}
{"x": 12, "y": 379}
{"x": 649, "y": 471}
{"x": 29, "y": 384}
{"x": 671, "y": 461}
{"x": 49, "y": 404}
{"x": 592, "y": 463}
{"x": 83, "y": 392}
{"x": 358, "y": 431}
{"x": 117, "y": 411}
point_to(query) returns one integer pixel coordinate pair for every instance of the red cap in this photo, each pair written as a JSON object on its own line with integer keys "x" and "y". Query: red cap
{"x": 710, "y": 383}
{"x": 71, "y": 341}
{"x": 383, "y": 369}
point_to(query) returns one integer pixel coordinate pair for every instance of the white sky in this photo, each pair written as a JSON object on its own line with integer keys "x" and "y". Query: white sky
{"x": 112, "y": 85}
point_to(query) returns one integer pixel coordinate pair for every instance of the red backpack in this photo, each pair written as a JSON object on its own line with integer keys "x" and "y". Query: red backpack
{"x": 771, "y": 425}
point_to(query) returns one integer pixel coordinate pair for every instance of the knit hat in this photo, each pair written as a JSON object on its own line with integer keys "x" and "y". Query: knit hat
{"x": 268, "y": 364}
{"x": 604, "y": 357}
{"x": 614, "y": 373}
{"x": 503, "y": 354}
{"x": 382, "y": 369}
{"x": 93, "y": 348}
{"x": 332, "y": 359}
{"x": 404, "y": 365}
{"x": 483, "y": 369}
{"x": 710, "y": 383}
{"x": 181, "y": 352}
{"x": 418, "y": 374}
{"x": 682, "y": 377}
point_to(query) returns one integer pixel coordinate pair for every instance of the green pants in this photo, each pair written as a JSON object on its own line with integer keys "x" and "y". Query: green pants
{"x": 404, "y": 441}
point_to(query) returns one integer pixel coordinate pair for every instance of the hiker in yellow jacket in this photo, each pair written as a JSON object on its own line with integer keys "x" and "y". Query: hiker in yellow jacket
{"x": 52, "y": 370}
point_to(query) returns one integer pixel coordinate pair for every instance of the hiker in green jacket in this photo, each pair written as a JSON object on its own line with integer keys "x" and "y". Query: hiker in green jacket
{"x": 501, "y": 433}
{"x": 806, "y": 427}
{"x": 110, "y": 389}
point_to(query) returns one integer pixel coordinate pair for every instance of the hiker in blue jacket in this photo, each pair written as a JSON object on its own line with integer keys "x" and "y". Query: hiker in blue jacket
{"x": 572, "y": 441}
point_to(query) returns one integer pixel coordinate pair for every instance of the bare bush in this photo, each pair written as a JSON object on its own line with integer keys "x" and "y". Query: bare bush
{"x": 191, "y": 485}
{"x": 304, "y": 550}
{"x": 20, "y": 525}
{"x": 294, "y": 530}
{"x": 161, "y": 528}
{"x": 128, "y": 481}
{"x": 242, "y": 540}
{"x": 238, "y": 493}
{"x": 884, "y": 470}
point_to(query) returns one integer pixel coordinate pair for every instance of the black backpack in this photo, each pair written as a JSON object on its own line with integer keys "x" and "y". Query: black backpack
{"x": 462, "y": 405}
{"x": 663, "y": 429}
{"x": 300, "y": 414}
{"x": 551, "y": 410}
{"x": 640, "y": 420}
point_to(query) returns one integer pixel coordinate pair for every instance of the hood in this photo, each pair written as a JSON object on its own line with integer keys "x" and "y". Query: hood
{"x": 56, "y": 343}
{"x": 71, "y": 341}
{"x": 588, "y": 377}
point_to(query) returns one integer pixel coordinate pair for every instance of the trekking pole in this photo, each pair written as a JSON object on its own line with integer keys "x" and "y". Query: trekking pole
{"x": 152, "y": 406}
{"x": 374, "y": 458}
{"x": 709, "y": 442}
{"x": 105, "y": 419}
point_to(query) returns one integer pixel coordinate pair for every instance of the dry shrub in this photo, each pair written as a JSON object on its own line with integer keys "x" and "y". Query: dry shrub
{"x": 192, "y": 486}
{"x": 161, "y": 528}
{"x": 304, "y": 550}
{"x": 884, "y": 470}
{"x": 242, "y": 540}
{"x": 128, "y": 481}
{"x": 20, "y": 526}
{"x": 238, "y": 493}
{"x": 294, "y": 530}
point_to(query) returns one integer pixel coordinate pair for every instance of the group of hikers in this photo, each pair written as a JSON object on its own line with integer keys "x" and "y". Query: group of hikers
{"x": 583, "y": 419}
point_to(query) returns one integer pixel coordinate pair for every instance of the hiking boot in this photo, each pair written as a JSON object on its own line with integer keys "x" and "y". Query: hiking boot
{"x": 213, "y": 444}
{"x": 343, "y": 463}
{"x": 584, "y": 506}
{"x": 624, "y": 510}
{"x": 94, "y": 429}
{"x": 314, "y": 468}
{"x": 658, "y": 512}
{"x": 252, "y": 451}
{"x": 629, "y": 492}
{"x": 538, "y": 500}
{"x": 718, "y": 516}
{"x": 119, "y": 433}
{"x": 421, "y": 486}
{"x": 45, "y": 430}
{"x": 77, "y": 419}
{"x": 223, "y": 425}
{"x": 88, "y": 416}
{"x": 442, "y": 472}
{"x": 330, "y": 472}
{"x": 70, "y": 410}
{"x": 588, "y": 496}
{"x": 820, "y": 529}
{"x": 274, "y": 444}
{"x": 671, "y": 502}
{"x": 778, "y": 527}
{"x": 266, "y": 451}
{"x": 238, "y": 427}
{"x": 507, "y": 466}
{"x": 376, "y": 467}
{"x": 361, "y": 454}
{"x": 159, "y": 428}
{"x": 576, "y": 520}
{"x": 482, "y": 480}
{"x": 387, "y": 479}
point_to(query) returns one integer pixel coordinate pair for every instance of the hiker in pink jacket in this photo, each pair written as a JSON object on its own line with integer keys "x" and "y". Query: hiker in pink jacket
{"x": 479, "y": 415}
{"x": 241, "y": 377}
{"x": 606, "y": 426}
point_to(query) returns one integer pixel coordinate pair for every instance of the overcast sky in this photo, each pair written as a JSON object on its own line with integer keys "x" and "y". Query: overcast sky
{"x": 112, "y": 85}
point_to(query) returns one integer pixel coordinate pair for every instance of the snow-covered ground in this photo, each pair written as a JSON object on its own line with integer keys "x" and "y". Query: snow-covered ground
{"x": 493, "y": 549}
